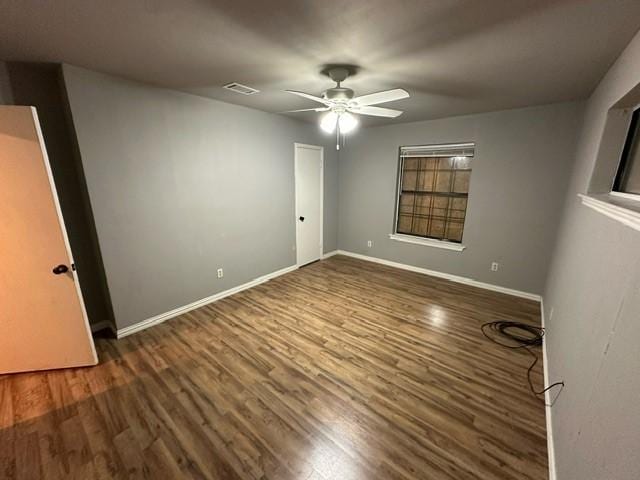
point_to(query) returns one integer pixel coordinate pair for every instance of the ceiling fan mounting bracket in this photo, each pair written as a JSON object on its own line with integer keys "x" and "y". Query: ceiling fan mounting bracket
{"x": 338, "y": 74}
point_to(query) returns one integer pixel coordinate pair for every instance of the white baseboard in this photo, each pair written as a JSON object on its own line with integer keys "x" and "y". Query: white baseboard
{"x": 329, "y": 254}
{"x": 447, "y": 276}
{"x": 123, "y": 332}
{"x": 547, "y": 400}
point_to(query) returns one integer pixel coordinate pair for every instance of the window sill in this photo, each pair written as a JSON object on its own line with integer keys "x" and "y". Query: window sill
{"x": 623, "y": 210}
{"x": 427, "y": 242}
{"x": 629, "y": 196}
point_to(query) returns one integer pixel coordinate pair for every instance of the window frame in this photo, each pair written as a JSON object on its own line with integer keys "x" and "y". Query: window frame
{"x": 600, "y": 195}
{"x": 632, "y": 136}
{"x": 418, "y": 239}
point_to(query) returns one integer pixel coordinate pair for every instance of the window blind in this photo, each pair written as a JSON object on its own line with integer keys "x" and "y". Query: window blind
{"x": 433, "y": 190}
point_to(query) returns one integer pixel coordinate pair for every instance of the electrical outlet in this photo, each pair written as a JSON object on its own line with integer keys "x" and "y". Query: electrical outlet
{"x": 220, "y": 273}
{"x": 494, "y": 266}
{"x": 369, "y": 243}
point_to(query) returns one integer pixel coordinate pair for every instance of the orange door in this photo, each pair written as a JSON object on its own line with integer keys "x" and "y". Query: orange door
{"x": 43, "y": 323}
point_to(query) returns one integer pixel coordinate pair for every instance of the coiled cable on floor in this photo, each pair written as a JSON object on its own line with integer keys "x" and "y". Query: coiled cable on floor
{"x": 520, "y": 336}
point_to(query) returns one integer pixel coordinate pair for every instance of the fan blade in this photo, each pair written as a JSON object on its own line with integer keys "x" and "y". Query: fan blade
{"x": 376, "y": 111}
{"x": 320, "y": 109}
{"x": 382, "y": 97}
{"x": 309, "y": 96}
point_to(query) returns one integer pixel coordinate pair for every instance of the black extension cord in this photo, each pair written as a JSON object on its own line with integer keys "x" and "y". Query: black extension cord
{"x": 522, "y": 336}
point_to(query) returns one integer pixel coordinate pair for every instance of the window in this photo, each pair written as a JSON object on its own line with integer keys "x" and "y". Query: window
{"x": 433, "y": 190}
{"x": 628, "y": 175}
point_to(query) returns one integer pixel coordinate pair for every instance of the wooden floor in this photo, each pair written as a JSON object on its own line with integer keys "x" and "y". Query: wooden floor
{"x": 343, "y": 369}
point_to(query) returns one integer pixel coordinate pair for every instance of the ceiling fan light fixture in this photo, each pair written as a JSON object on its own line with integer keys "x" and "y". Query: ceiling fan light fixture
{"x": 328, "y": 122}
{"x": 347, "y": 122}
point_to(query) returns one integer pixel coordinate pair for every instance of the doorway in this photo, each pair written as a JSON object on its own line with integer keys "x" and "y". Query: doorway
{"x": 309, "y": 167}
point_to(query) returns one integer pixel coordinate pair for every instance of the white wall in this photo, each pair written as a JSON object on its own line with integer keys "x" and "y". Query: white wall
{"x": 592, "y": 337}
{"x": 520, "y": 173}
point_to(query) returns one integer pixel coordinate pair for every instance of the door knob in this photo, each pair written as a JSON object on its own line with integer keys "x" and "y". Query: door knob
{"x": 60, "y": 269}
{"x": 302, "y": 219}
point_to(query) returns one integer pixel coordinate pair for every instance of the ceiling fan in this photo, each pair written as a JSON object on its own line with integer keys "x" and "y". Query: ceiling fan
{"x": 340, "y": 104}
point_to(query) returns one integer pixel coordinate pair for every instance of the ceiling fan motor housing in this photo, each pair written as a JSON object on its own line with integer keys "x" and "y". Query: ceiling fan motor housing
{"x": 338, "y": 94}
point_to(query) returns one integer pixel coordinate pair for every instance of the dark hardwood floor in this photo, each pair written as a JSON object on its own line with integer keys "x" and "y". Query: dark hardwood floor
{"x": 343, "y": 369}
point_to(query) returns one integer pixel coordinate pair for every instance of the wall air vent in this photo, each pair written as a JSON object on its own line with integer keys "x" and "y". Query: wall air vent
{"x": 239, "y": 88}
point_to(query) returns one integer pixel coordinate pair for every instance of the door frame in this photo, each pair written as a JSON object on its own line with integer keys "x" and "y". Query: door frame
{"x": 297, "y": 145}
{"x": 65, "y": 237}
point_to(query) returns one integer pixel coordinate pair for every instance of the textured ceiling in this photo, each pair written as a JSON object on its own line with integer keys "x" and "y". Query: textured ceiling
{"x": 454, "y": 57}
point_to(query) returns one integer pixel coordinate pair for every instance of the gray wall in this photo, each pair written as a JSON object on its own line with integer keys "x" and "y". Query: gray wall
{"x": 181, "y": 185}
{"x": 520, "y": 172}
{"x": 592, "y": 337}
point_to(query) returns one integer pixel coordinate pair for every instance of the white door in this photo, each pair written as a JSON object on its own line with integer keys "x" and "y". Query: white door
{"x": 43, "y": 322}
{"x": 308, "y": 177}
